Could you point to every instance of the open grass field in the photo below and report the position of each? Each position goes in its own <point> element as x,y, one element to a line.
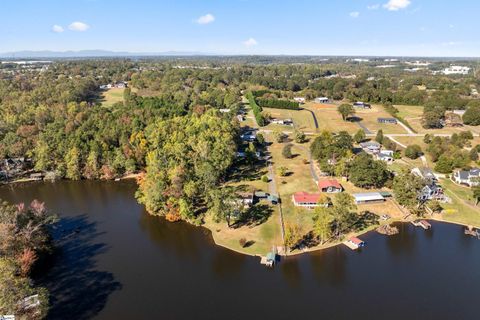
<point>370,117</point>
<point>302,119</point>
<point>112,96</point>
<point>329,119</point>
<point>413,114</point>
<point>262,237</point>
<point>462,209</point>
<point>299,179</point>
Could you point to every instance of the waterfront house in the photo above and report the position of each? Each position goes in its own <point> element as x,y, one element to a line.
<point>322,100</point>
<point>387,120</point>
<point>368,197</point>
<point>432,192</point>
<point>308,200</point>
<point>330,186</point>
<point>470,177</point>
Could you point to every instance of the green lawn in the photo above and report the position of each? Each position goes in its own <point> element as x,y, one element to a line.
<point>462,209</point>
<point>112,96</point>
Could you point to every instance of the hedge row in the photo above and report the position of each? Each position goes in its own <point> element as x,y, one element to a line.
<point>394,113</point>
<point>277,104</point>
<point>257,110</point>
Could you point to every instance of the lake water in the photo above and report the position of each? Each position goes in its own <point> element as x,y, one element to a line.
<point>117,262</point>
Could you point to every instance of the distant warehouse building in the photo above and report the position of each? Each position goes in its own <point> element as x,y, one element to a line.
<point>369,197</point>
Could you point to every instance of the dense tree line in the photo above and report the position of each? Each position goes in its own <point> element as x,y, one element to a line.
<point>24,238</point>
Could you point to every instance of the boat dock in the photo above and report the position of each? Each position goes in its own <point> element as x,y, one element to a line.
<point>422,223</point>
<point>354,243</point>
<point>470,231</point>
<point>270,259</point>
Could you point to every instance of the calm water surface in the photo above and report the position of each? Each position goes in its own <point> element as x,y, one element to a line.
<point>117,262</point>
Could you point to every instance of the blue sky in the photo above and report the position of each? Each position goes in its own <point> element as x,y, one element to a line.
<point>314,27</point>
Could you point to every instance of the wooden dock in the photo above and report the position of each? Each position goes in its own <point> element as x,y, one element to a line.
<point>422,223</point>
<point>470,231</point>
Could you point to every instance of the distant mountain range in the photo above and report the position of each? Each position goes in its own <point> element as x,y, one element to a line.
<point>92,53</point>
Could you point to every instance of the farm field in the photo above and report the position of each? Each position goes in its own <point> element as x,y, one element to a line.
<point>329,119</point>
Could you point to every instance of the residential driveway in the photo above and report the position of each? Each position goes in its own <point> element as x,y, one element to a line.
<point>362,126</point>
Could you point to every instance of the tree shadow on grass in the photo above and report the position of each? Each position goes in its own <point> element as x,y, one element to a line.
<point>366,220</point>
<point>254,216</point>
<point>247,172</point>
<point>77,289</point>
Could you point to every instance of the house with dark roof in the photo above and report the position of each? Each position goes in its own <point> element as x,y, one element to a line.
<point>470,178</point>
<point>432,192</point>
<point>387,120</point>
<point>386,156</point>
<point>362,105</point>
<point>330,186</point>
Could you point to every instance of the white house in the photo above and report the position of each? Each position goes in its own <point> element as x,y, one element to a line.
<point>300,99</point>
<point>371,147</point>
<point>322,100</point>
<point>386,156</point>
<point>456,70</point>
<point>470,178</point>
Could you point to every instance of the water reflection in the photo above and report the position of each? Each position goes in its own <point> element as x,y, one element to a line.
<point>76,286</point>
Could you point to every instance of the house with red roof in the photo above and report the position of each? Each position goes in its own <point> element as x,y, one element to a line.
<point>330,186</point>
<point>307,200</point>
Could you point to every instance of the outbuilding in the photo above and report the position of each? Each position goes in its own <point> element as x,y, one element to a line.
<point>330,186</point>
<point>368,197</point>
<point>387,120</point>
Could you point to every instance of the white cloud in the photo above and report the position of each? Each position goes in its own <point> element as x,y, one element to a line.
<point>395,5</point>
<point>373,7</point>
<point>58,29</point>
<point>78,26</point>
<point>354,14</point>
<point>250,42</point>
<point>451,43</point>
<point>206,19</point>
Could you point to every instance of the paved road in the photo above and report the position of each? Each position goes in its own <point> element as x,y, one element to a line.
<point>362,126</point>
<point>314,118</point>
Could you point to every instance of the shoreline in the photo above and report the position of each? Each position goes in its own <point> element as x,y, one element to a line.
<point>333,244</point>
<point>297,252</point>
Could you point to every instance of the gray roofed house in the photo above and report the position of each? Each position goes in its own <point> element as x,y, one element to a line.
<point>371,146</point>
<point>426,174</point>
<point>470,178</point>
